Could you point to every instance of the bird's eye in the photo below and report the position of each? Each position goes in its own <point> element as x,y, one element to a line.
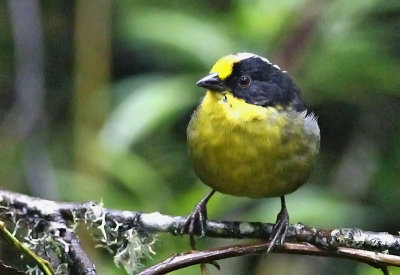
<point>244,81</point>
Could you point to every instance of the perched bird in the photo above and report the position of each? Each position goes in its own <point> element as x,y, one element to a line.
<point>251,136</point>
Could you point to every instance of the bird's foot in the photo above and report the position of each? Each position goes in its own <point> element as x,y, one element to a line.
<point>197,219</point>
<point>280,229</point>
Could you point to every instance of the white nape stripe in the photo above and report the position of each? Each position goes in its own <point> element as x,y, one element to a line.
<point>245,55</point>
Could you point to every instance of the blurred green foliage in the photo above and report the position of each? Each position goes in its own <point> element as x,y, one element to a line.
<point>345,55</point>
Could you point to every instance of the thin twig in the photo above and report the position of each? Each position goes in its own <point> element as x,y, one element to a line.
<point>175,262</point>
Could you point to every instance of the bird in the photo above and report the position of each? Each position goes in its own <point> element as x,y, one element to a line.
<point>252,135</point>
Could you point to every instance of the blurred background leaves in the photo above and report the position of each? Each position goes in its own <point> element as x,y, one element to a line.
<point>108,121</point>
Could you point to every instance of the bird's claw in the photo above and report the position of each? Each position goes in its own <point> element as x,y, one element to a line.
<point>196,219</point>
<point>280,229</point>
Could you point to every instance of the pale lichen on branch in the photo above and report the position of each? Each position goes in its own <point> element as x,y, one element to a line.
<point>131,235</point>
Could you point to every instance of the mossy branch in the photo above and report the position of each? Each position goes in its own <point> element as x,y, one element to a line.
<point>123,232</point>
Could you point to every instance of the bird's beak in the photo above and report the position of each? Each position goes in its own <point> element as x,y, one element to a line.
<point>212,82</point>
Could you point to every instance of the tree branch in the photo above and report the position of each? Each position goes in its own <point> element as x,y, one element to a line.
<point>375,259</point>
<point>79,261</point>
<point>379,249</point>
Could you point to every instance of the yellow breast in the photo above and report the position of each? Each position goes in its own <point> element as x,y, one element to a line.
<point>247,150</point>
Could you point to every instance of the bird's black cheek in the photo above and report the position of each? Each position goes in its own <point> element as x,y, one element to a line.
<point>243,93</point>
<point>263,93</point>
<point>250,94</point>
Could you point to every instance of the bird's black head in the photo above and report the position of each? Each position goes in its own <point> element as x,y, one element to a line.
<point>254,79</point>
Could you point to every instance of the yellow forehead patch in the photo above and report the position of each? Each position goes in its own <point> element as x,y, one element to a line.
<point>224,66</point>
